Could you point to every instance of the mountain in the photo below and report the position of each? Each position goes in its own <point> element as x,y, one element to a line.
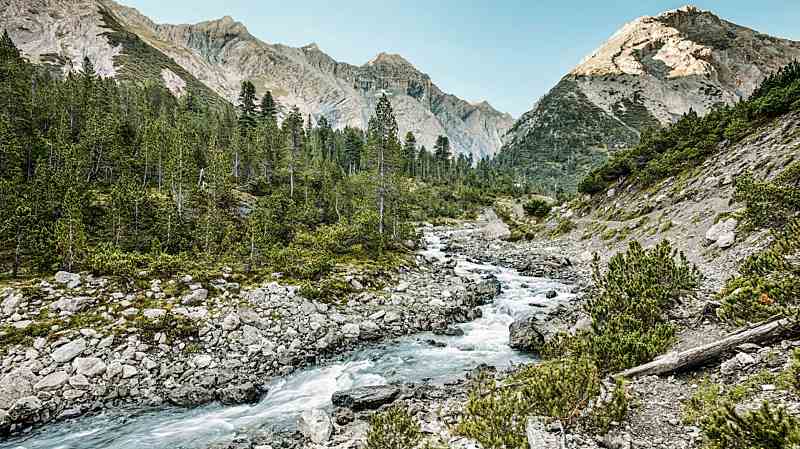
<point>648,74</point>
<point>212,58</point>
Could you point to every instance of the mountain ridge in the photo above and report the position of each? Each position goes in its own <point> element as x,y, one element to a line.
<point>222,53</point>
<point>646,75</point>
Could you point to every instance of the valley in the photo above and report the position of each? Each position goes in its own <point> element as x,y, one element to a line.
<point>209,241</point>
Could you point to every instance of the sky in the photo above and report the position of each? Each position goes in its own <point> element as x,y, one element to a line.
<point>507,52</point>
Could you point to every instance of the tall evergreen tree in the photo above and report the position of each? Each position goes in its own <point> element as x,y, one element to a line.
<point>247,105</point>
<point>410,154</point>
<point>384,149</point>
<point>268,108</point>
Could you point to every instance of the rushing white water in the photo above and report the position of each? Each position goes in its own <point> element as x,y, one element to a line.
<point>405,360</point>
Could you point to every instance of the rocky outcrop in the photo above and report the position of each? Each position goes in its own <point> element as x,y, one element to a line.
<point>220,54</point>
<point>366,398</point>
<point>649,73</point>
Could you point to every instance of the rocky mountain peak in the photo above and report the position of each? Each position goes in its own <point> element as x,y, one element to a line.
<point>390,59</point>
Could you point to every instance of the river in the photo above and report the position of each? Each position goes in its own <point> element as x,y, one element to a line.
<point>404,360</point>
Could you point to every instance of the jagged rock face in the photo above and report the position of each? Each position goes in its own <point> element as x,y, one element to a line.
<point>649,73</point>
<point>221,54</point>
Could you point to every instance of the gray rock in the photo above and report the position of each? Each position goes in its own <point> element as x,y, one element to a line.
<point>351,330</point>
<point>68,304</point>
<point>245,393</point>
<point>129,371</point>
<point>25,408</point>
<point>10,304</point>
<point>723,233</point>
<point>202,361</point>
<point>196,297</point>
<point>231,322</point>
<point>190,396</point>
<point>539,437</point>
<point>366,398</point>
<point>15,385</point>
<point>370,330</point>
<point>496,230</point>
<point>89,366</point>
<point>64,277</point>
<point>69,351</point>
<point>315,425</point>
<point>79,381</point>
<point>529,334</point>
<point>52,381</point>
<point>154,314</point>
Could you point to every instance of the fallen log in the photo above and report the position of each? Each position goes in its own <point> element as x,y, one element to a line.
<point>679,361</point>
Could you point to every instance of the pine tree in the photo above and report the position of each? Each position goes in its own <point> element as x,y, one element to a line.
<point>293,129</point>
<point>441,154</point>
<point>8,51</point>
<point>384,149</point>
<point>410,154</point>
<point>353,146</point>
<point>269,109</point>
<point>70,232</point>
<point>247,106</point>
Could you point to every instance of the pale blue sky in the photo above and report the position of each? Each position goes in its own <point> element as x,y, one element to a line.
<point>509,52</point>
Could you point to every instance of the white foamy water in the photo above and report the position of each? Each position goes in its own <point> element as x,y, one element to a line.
<point>405,360</point>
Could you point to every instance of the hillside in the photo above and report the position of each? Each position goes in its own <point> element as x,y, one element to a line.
<point>222,53</point>
<point>648,74</point>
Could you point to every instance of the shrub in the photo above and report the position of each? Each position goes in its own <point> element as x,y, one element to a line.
<point>496,415</point>
<point>770,204</point>
<point>537,208</point>
<point>394,428</point>
<point>627,307</point>
<point>765,428</point>
<point>564,226</point>
<point>768,282</point>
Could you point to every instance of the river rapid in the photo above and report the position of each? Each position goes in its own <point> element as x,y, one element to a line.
<point>409,359</point>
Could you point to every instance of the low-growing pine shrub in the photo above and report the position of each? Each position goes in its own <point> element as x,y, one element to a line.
<point>765,428</point>
<point>563,390</point>
<point>627,306</point>
<point>394,428</point>
<point>537,208</point>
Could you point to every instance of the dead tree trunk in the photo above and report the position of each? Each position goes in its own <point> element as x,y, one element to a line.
<point>678,361</point>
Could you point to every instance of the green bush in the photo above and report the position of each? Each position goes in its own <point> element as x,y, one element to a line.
<point>496,414</point>
<point>768,282</point>
<point>627,306</point>
<point>765,428</point>
<point>394,428</point>
<point>537,208</point>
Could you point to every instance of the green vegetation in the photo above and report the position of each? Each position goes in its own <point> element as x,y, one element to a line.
<point>537,208</point>
<point>394,428</point>
<point>765,428</point>
<point>627,306</point>
<point>124,179</point>
<point>668,152</point>
<point>769,281</point>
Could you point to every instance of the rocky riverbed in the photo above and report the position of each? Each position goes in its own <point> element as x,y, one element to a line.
<point>92,345</point>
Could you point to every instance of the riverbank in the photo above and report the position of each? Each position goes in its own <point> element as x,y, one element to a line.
<point>89,344</point>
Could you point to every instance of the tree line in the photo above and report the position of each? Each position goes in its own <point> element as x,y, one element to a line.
<point>95,174</point>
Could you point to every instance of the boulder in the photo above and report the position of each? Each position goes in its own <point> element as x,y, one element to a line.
<point>370,330</point>
<point>723,233</point>
<point>69,351</point>
<point>351,330</point>
<point>89,366</point>
<point>315,425</point>
<point>24,409</point>
<point>231,322</point>
<point>366,398</point>
<point>529,334</point>
<point>190,396</point>
<point>52,381</point>
<point>15,385</point>
<point>154,314</point>
<point>495,230</point>
<point>72,280</point>
<point>196,297</point>
<point>68,304</point>
<point>244,393</point>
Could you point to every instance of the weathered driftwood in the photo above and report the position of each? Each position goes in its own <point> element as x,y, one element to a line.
<point>679,361</point>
